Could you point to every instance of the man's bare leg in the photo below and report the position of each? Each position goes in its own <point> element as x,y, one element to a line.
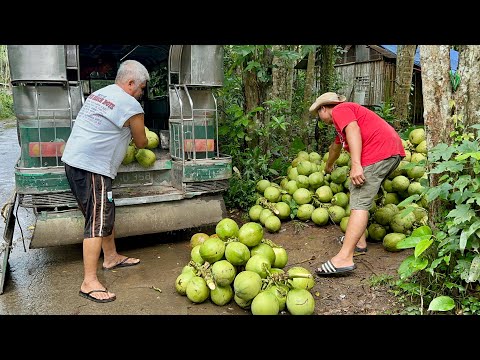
<point>354,235</point>
<point>91,254</point>
<point>110,255</point>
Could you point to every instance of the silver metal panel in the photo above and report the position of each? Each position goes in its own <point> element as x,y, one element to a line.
<point>53,102</point>
<point>132,220</point>
<point>37,62</point>
<point>180,102</point>
<point>175,58</point>
<point>72,56</point>
<point>202,65</point>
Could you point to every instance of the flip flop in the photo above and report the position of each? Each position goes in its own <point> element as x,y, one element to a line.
<point>328,269</point>
<point>122,263</point>
<point>87,295</point>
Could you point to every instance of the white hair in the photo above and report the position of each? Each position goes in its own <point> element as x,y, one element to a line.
<point>132,70</point>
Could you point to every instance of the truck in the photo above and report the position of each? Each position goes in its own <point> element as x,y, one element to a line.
<point>182,189</point>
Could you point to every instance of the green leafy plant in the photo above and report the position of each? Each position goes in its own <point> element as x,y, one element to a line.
<point>444,270</point>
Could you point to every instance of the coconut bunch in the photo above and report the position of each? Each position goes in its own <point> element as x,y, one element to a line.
<point>305,193</point>
<point>238,264</point>
<point>145,157</point>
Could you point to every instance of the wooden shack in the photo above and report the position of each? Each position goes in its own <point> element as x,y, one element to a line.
<point>366,74</point>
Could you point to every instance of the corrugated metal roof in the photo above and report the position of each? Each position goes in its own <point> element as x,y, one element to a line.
<point>416,60</point>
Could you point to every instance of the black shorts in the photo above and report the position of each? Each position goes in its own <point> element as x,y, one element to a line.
<point>94,197</point>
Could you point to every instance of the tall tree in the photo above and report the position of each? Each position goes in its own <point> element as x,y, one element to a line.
<point>326,69</point>
<point>282,73</point>
<point>403,81</point>
<point>308,92</point>
<point>437,93</point>
<point>467,101</point>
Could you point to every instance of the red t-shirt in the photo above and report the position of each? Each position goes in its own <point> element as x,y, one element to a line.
<point>379,138</point>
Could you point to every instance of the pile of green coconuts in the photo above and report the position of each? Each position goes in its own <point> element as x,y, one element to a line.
<point>238,264</point>
<point>306,193</point>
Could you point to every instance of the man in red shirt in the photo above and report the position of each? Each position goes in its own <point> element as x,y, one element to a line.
<point>375,150</point>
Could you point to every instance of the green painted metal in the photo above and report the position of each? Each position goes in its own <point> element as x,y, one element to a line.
<point>33,183</point>
<point>207,171</point>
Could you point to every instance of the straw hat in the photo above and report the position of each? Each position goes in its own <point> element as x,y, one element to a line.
<point>327,98</point>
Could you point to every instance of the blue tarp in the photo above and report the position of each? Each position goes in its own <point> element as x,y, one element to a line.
<point>416,60</point>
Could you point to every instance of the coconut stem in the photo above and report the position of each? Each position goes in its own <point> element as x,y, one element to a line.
<point>205,272</point>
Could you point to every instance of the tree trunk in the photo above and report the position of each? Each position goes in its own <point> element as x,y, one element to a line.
<point>467,101</point>
<point>327,60</point>
<point>282,76</point>
<point>256,93</point>
<point>403,81</point>
<point>436,90</point>
<point>308,92</point>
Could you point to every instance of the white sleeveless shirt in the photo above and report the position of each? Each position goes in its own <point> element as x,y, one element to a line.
<point>98,141</point>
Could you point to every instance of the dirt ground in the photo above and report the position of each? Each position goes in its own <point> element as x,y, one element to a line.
<point>360,293</point>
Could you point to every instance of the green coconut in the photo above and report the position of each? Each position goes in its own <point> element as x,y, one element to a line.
<point>320,216</point>
<point>391,240</point>
<point>258,263</point>
<point>292,174</point>
<point>244,304</point>
<point>153,140</point>
<point>262,185</point>
<point>247,285</point>
<point>416,136</point>
<point>376,232</point>
<point>300,282</point>
<point>251,233</point>
<point>272,194</point>
<point>344,223</point>
<point>305,211</point>
<point>303,181</point>
<point>281,257</point>
<point>223,272</point>
<point>339,174</point>
<point>198,239</point>
<point>400,183</point>
<point>181,282</point>
<point>283,210</point>
<point>254,212</point>
<point>324,193</point>
<point>237,253</point>
<point>273,224</point>
<point>226,228</point>
<point>195,255</point>
<point>221,295</point>
<point>212,249</point>
<point>264,214</point>
<point>315,180</point>
<point>129,155</point>
<point>340,199</point>
<point>302,196</point>
<point>291,186</point>
<point>300,302</point>
<point>384,215</point>
<point>304,167</point>
<point>145,157</point>
<point>265,250</point>
<point>197,290</point>
<point>281,292</point>
<point>336,213</point>
<point>265,303</point>
<point>315,157</point>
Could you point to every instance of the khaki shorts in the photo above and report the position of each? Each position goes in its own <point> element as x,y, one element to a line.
<point>361,197</point>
